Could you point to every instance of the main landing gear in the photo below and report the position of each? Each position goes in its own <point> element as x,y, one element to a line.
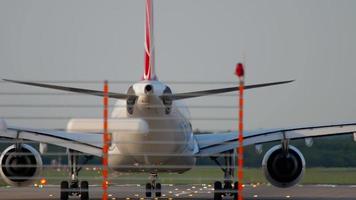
<point>153,187</point>
<point>73,188</point>
<point>229,187</point>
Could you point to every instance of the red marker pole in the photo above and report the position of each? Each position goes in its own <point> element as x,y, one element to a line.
<point>241,75</point>
<point>106,139</point>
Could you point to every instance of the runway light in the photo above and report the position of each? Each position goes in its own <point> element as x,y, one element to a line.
<point>43,181</point>
<point>110,195</point>
<point>287,196</point>
<point>51,195</point>
<point>255,196</point>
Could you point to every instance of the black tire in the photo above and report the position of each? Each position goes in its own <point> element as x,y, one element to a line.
<point>148,190</point>
<point>217,190</point>
<point>236,187</point>
<point>64,190</point>
<point>158,190</point>
<point>84,190</point>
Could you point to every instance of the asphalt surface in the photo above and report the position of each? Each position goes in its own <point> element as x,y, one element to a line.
<point>260,192</point>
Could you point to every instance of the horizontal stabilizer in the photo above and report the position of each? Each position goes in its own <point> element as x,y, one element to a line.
<point>187,95</point>
<point>71,89</point>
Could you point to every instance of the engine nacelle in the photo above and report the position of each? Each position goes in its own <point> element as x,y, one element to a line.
<point>283,169</point>
<point>20,167</point>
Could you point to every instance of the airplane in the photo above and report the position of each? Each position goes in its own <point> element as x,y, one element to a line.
<point>151,132</point>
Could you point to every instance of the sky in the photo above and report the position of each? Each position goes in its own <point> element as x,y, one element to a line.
<point>198,42</point>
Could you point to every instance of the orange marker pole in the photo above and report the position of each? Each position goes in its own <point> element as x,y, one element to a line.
<point>105,141</point>
<point>241,75</point>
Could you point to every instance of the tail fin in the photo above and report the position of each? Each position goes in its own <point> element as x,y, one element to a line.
<point>149,73</point>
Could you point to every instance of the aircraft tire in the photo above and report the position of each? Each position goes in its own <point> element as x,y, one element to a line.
<point>158,190</point>
<point>64,190</point>
<point>235,192</point>
<point>84,190</point>
<point>217,190</point>
<point>148,190</point>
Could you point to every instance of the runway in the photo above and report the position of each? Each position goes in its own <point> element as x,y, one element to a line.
<point>260,192</point>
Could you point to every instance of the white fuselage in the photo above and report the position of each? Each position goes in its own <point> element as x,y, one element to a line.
<point>167,146</point>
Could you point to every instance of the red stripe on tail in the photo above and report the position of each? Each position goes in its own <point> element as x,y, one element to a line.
<point>149,73</point>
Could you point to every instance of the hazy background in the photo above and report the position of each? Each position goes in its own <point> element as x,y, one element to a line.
<point>196,40</point>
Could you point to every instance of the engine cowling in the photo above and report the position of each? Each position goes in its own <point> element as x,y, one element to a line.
<point>20,167</point>
<point>283,169</point>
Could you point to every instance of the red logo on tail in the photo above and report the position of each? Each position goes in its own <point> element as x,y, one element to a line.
<point>149,73</point>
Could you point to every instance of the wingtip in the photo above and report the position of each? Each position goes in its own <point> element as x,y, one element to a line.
<point>9,80</point>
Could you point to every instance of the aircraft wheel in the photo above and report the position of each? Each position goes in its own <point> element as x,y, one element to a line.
<point>84,190</point>
<point>148,190</point>
<point>217,190</point>
<point>64,190</point>
<point>228,188</point>
<point>235,192</point>
<point>158,190</point>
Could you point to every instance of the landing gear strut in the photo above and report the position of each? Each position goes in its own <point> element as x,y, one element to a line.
<point>73,188</point>
<point>153,187</point>
<point>229,188</point>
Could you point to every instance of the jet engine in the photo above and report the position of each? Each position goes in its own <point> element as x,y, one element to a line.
<point>283,168</point>
<point>20,166</point>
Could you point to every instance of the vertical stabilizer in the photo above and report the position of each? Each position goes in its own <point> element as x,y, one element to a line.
<point>149,73</point>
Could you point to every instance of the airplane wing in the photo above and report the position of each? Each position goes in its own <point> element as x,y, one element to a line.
<point>216,143</point>
<point>87,143</point>
<point>187,95</point>
<point>71,89</point>
<point>82,135</point>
